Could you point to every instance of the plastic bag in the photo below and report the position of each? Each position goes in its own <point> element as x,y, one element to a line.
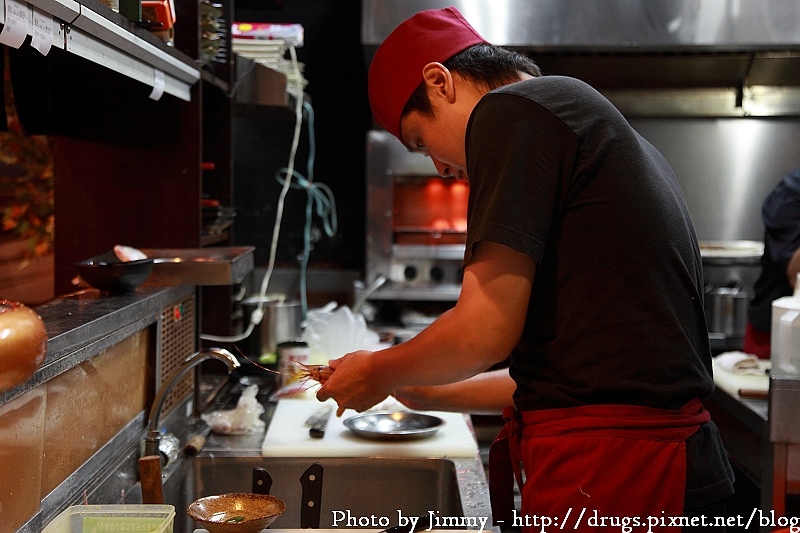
<point>331,334</point>
<point>243,420</point>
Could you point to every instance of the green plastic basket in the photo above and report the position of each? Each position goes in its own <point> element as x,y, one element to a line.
<point>105,518</point>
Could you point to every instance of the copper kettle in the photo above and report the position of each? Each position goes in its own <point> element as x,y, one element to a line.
<point>23,343</point>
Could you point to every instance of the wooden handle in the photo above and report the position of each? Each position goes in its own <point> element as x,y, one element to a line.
<point>753,394</point>
<point>150,478</point>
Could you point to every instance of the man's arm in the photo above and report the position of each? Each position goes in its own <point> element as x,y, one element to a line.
<point>485,393</point>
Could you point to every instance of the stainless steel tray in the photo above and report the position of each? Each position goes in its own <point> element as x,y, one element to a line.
<point>399,425</point>
<point>218,265</point>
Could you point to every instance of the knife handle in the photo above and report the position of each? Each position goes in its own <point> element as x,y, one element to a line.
<point>150,478</point>
<point>262,481</point>
<point>317,430</point>
<point>311,482</point>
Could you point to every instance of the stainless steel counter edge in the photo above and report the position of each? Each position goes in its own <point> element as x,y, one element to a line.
<point>82,324</point>
<point>472,483</point>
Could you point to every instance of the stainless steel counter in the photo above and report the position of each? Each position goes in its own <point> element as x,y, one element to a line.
<point>472,484</point>
<point>744,427</point>
<point>82,324</point>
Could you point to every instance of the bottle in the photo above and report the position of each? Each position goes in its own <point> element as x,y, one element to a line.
<point>785,336</point>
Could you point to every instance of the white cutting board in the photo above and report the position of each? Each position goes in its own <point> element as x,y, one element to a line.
<point>287,436</point>
<point>732,383</point>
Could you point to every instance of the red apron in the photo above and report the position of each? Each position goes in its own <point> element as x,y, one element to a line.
<point>592,466</point>
<point>757,342</point>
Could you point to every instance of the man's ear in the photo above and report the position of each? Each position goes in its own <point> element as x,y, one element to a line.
<point>439,81</point>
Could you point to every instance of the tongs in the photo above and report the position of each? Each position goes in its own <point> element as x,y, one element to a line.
<point>318,421</point>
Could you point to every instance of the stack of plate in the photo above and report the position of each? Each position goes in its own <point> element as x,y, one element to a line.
<point>270,53</point>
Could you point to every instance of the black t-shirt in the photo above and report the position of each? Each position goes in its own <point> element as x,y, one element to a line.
<point>616,309</point>
<point>781,216</point>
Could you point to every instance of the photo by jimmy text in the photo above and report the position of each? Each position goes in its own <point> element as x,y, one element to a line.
<point>434,520</point>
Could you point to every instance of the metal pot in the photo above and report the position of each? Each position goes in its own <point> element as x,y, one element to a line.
<point>282,322</point>
<point>726,311</point>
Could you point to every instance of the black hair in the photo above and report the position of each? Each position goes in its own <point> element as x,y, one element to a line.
<point>484,64</point>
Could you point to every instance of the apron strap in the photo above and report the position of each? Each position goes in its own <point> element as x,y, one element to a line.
<point>504,467</point>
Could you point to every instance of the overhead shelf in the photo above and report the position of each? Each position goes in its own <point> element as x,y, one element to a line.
<point>88,34</point>
<point>260,85</point>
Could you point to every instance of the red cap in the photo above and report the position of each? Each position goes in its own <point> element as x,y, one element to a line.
<point>434,35</point>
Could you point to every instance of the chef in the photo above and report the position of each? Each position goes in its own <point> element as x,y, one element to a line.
<point>581,263</point>
<point>780,262</point>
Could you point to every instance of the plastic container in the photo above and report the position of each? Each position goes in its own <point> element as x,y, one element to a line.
<point>97,518</point>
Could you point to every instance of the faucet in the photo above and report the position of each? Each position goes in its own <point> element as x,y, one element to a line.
<point>153,438</point>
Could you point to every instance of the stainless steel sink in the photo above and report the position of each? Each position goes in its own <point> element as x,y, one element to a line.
<point>355,487</point>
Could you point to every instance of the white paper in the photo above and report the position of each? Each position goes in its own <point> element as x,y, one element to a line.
<point>15,28</point>
<point>158,85</point>
<point>43,30</point>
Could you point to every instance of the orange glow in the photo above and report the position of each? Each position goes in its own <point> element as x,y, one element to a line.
<point>460,224</point>
<point>427,206</point>
<point>440,224</point>
<point>459,189</point>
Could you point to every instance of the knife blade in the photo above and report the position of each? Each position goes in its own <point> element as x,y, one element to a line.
<point>318,421</point>
<point>320,413</point>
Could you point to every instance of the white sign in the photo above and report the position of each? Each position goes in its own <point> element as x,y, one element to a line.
<point>15,28</point>
<point>42,38</point>
<point>159,83</point>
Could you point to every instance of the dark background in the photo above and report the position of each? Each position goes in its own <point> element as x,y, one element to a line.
<point>336,71</point>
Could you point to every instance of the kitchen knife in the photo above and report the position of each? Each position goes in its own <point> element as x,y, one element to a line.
<point>262,481</point>
<point>311,482</point>
<point>318,421</point>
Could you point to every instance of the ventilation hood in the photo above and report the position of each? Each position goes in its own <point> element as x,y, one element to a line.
<point>650,57</point>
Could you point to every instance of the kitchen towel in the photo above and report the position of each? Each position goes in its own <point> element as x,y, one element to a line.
<point>740,363</point>
<point>732,382</point>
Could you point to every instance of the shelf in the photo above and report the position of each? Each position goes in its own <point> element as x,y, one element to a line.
<point>87,33</point>
<point>215,81</point>
<point>217,238</point>
<point>259,85</point>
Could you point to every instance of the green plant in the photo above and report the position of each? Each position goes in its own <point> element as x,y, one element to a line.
<point>26,181</point>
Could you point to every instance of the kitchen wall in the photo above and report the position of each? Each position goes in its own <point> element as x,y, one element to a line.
<point>726,167</point>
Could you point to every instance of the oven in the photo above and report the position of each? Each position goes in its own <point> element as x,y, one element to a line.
<point>415,233</point>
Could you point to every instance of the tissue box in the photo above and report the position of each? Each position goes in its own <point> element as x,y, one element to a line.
<point>98,518</point>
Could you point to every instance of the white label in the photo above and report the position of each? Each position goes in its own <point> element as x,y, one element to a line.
<point>159,83</point>
<point>43,31</point>
<point>15,28</point>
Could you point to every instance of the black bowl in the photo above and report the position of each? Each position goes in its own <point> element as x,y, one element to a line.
<point>110,275</point>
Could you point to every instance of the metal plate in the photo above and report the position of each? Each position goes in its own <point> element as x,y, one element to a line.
<point>731,252</point>
<point>400,425</point>
<point>217,265</point>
